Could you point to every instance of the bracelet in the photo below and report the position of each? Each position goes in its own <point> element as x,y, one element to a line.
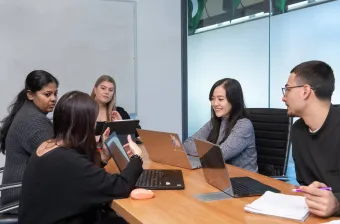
<point>138,157</point>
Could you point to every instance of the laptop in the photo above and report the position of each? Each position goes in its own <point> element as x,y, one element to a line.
<point>216,173</point>
<point>123,128</point>
<point>167,148</point>
<point>149,179</point>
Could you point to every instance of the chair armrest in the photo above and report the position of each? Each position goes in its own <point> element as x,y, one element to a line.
<point>9,186</point>
<point>9,207</point>
<point>283,178</point>
<point>13,205</point>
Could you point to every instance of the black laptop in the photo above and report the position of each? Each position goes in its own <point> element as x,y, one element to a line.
<point>150,179</point>
<point>217,175</point>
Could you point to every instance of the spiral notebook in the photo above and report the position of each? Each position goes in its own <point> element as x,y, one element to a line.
<point>280,205</point>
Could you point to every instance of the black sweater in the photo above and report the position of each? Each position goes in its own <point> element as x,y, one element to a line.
<point>317,156</point>
<point>63,186</point>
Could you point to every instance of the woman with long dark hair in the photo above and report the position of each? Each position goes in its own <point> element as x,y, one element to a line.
<point>229,126</point>
<point>26,127</point>
<point>63,181</point>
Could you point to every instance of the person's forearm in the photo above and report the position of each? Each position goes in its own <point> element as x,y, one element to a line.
<point>103,157</point>
<point>190,147</point>
<point>202,134</point>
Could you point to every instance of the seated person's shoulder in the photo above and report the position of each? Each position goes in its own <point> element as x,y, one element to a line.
<point>68,156</point>
<point>120,108</point>
<point>122,113</point>
<point>335,119</point>
<point>336,108</point>
<point>299,124</point>
<point>245,125</point>
<point>244,122</point>
<point>39,121</point>
<point>32,121</point>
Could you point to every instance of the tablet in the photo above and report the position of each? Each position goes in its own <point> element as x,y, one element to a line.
<point>122,128</point>
<point>99,127</point>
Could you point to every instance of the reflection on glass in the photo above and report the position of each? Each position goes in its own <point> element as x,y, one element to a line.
<point>205,15</point>
<point>117,151</point>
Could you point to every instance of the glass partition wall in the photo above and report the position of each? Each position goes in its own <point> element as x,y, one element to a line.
<point>256,42</point>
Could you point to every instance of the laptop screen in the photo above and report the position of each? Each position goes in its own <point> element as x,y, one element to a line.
<point>214,169</point>
<point>117,151</point>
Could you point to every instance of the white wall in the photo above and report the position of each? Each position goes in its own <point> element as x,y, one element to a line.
<point>159,65</point>
<point>75,40</point>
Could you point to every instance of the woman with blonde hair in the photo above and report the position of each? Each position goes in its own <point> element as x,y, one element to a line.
<point>104,93</point>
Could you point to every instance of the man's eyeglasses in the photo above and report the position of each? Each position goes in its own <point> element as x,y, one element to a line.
<point>284,89</point>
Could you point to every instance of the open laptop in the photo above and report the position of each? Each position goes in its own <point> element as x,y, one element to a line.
<point>149,179</point>
<point>167,148</point>
<point>123,128</point>
<point>216,173</point>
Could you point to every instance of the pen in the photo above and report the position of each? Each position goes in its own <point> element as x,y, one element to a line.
<point>322,188</point>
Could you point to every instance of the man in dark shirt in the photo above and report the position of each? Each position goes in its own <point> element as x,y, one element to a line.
<point>316,135</point>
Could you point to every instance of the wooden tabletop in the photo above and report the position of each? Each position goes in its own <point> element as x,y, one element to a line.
<point>180,206</point>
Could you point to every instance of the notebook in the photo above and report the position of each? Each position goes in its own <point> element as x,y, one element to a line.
<point>332,222</point>
<point>280,205</point>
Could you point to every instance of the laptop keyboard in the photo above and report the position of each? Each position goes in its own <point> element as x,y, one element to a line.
<point>150,178</point>
<point>241,189</point>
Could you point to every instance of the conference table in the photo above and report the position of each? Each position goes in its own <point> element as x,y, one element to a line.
<point>180,206</point>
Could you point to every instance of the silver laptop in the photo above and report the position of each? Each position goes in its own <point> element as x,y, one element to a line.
<point>166,148</point>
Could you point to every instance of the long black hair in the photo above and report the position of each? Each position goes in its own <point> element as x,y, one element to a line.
<point>234,96</point>
<point>35,81</point>
<point>74,120</point>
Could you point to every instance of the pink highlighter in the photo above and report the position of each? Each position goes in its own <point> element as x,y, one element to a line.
<point>322,188</point>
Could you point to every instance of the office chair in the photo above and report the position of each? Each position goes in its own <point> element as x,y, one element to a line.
<point>8,218</point>
<point>272,136</point>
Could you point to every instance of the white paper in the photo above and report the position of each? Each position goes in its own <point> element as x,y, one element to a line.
<point>332,222</point>
<point>281,205</point>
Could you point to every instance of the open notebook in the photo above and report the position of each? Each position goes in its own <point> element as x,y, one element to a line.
<point>280,205</point>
